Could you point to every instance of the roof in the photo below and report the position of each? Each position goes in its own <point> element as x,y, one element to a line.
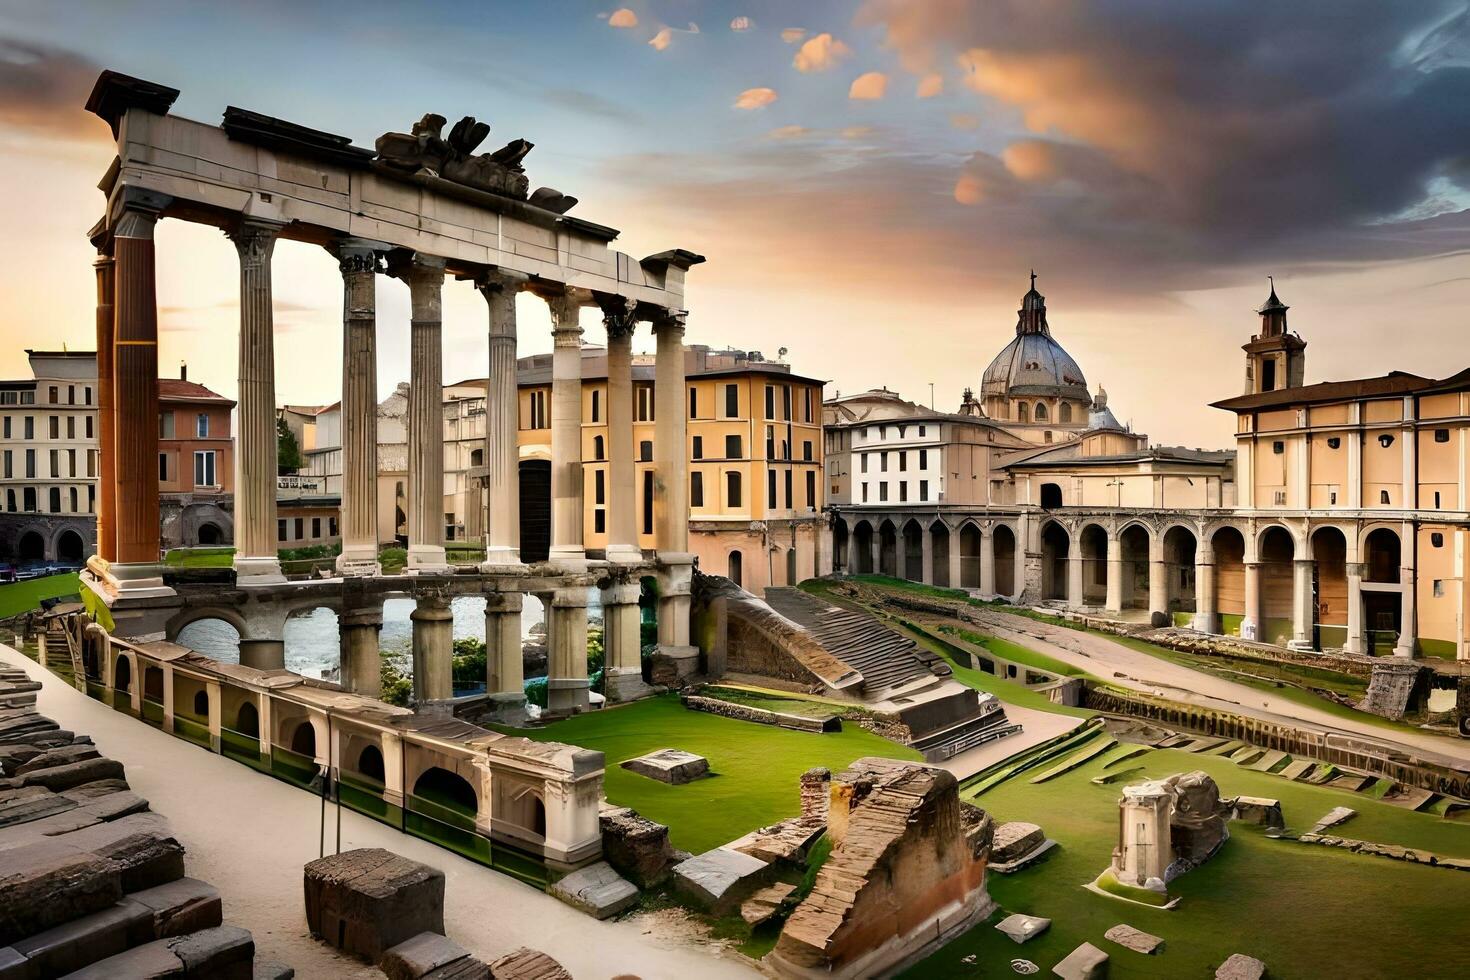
<point>176,390</point>
<point>1033,363</point>
<point>1156,454</point>
<point>1394,383</point>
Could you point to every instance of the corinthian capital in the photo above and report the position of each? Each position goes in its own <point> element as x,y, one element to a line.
<point>667,320</point>
<point>619,315</point>
<point>355,255</point>
<point>255,240</point>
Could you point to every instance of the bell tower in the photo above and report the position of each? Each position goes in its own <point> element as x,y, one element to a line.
<point>1274,358</point>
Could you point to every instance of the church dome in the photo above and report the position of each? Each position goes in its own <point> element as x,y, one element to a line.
<point>1033,363</point>
<point>1102,417</point>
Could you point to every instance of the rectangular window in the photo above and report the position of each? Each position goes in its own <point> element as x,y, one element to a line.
<point>883,491</point>
<point>7,427</point>
<point>596,404</point>
<point>204,471</point>
<point>31,464</point>
<point>281,529</point>
<point>648,501</point>
<point>55,463</point>
<point>1383,496</point>
<point>645,403</point>
<point>923,490</point>
<point>54,426</point>
<point>316,527</point>
<point>923,459</point>
<point>883,462</point>
<point>645,450</point>
<point>732,447</point>
<point>865,493</point>
<point>697,452</point>
<point>201,426</point>
<point>29,499</point>
<point>770,442</point>
<point>811,489</point>
<point>599,487</point>
<point>71,394</point>
<point>770,401</point>
<point>732,401</point>
<point>771,489</point>
<point>921,432</point>
<point>8,473</point>
<point>693,403</point>
<point>88,427</point>
<point>87,394</point>
<point>166,425</point>
<point>71,426</point>
<point>71,462</point>
<point>55,395</point>
<point>786,402</point>
<point>332,527</point>
<point>1441,435</point>
<point>696,489</point>
<point>299,527</point>
<point>806,408</point>
<point>732,489</point>
<point>806,450</point>
<point>903,461</point>
<point>30,427</point>
<point>788,488</point>
<point>864,458</point>
<point>599,521</point>
<point>1436,500</point>
<point>903,491</point>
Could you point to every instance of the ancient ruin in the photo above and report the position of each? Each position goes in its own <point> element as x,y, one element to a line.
<point>1165,828</point>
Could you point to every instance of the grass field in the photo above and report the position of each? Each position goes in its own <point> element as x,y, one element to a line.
<point>756,767</point>
<point>20,597</point>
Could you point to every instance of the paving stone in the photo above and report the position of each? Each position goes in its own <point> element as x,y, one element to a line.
<point>72,945</point>
<point>60,756</point>
<point>58,778</point>
<point>142,844</point>
<point>760,907</point>
<point>46,883</point>
<point>221,953</point>
<point>1134,939</point>
<point>1086,962</point>
<point>22,806</point>
<point>674,766</point>
<point>13,966</point>
<point>1337,815</point>
<point>1020,927</point>
<point>528,964</point>
<point>178,907</point>
<point>430,955</point>
<point>1241,967</point>
<point>1015,839</point>
<point>369,900</point>
<point>718,880</point>
<point>597,890</point>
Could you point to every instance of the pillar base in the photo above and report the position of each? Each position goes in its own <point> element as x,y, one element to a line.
<point>568,559</point>
<point>357,563</point>
<point>1300,646</point>
<point>263,654</point>
<point>1203,623</point>
<point>507,708</point>
<point>567,696</point>
<point>137,581</point>
<point>265,570</point>
<point>624,554</point>
<point>501,558</point>
<point>1407,652</point>
<point>675,666</point>
<point>1249,630</point>
<point>434,708</point>
<point>427,559</point>
<point>623,684</point>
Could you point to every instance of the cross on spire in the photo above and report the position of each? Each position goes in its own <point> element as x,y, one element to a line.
<point>1033,278</point>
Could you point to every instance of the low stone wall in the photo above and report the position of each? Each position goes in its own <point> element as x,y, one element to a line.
<point>743,712</point>
<point>1395,851</point>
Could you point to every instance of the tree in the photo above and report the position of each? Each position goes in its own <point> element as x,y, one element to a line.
<point>288,453</point>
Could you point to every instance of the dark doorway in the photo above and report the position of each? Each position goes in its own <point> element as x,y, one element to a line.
<point>247,721</point>
<point>839,546</point>
<point>1051,496</point>
<point>370,763</point>
<point>303,740</point>
<point>210,534</point>
<point>913,552</point>
<point>736,572</point>
<point>69,546</point>
<point>790,566</point>
<point>32,547</point>
<point>447,789</point>
<point>535,509</point>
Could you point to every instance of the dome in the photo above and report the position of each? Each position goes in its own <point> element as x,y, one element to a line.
<point>1102,417</point>
<point>1033,363</point>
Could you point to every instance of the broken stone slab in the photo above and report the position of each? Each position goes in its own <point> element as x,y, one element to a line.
<point>1257,810</point>
<point>142,845</point>
<point>64,777</point>
<point>1241,967</point>
<point>46,883</point>
<point>31,803</point>
<point>72,945</point>
<point>788,841</point>
<point>720,879</point>
<point>13,757</point>
<point>759,908</point>
<point>673,766</point>
<point>221,953</point>
<point>430,955</point>
<point>1134,939</point>
<point>1086,962</point>
<point>369,900</point>
<point>597,890</point>
<point>60,756</point>
<point>96,788</point>
<point>528,964</point>
<point>1021,928</point>
<point>637,847</point>
<point>179,907</point>
<point>1015,839</point>
<point>1337,815</point>
<point>271,970</point>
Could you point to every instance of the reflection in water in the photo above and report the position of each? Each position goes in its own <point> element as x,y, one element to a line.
<point>312,646</point>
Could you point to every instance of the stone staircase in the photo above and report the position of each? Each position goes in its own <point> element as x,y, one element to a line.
<point>884,658</point>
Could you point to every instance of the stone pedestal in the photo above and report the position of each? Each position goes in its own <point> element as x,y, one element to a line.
<point>622,657</point>
<point>367,901</point>
<point>675,578</point>
<point>433,650</point>
<point>358,262</point>
<point>1144,850</point>
<point>361,667</point>
<point>567,685</point>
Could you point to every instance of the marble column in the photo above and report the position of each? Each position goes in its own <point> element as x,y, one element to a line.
<point>875,552</point>
<point>1114,601</point>
<point>1074,581</point>
<point>1408,629</point>
<point>505,675</point>
<point>359,525</point>
<point>622,658</point>
<point>361,670</point>
<point>135,403</point>
<point>955,559</point>
<point>1250,620</point>
<point>255,416</point>
<point>1302,612</point>
<point>567,548</point>
<point>1354,642</point>
<point>425,275</point>
<point>926,558</point>
<point>1158,589</point>
<point>566,684</point>
<point>1204,591</point>
<point>670,452</point>
<point>622,503</point>
<point>106,423</point>
<point>502,456</point>
<point>433,650</point>
<point>987,562</point>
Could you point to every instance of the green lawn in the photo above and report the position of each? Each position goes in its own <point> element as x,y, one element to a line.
<point>1306,910</point>
<point>20,597</point>
<point>200,558</point>
<point>1016,653</point>
<point>756,767</point>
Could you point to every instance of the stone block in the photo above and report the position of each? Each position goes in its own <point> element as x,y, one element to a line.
<point>816,793</point>
<point>788,841</point>
<point>141,844</point>
<point>14,966</point>
<point>94,789</point>
<point>369,900</point>
<point>430,956</point>
<point>1021,928</point>
<point>637,847</point>
<point>597,890</point>
<point>1241,967</point>
<point>271,970</point>
<point>720,879</point>
<point>764,904</point>
<point>1014,840</point>
<point>64,777</point>
<point>60,756</point>
<point>178,907</point>
<point>47,883</point>
<point>673,766</point>
<point>221,953</point>
<point>1134,939</point>
<point>527,964</point>
<point>1086,962</point>
<point>1337,815</point>
<point>22,806</point>
<point>72,945</point>
<point>1258,810</point>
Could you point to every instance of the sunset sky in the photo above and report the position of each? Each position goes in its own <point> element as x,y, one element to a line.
<point>870,181</point>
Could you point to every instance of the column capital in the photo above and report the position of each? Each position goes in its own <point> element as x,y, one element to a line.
<point>254,239</point>
<point>356,255</point>
<point>566,312</point>
<point>416,268</point>
<point>619,314</point>
<point>493,281</point>
<point>135,222</point>
<point>670,321</point>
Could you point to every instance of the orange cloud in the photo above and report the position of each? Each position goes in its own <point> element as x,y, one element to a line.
<point>969,189</point>
<point>788,132</point>
<point>42,90</point>
<point>741,24</point>
<point>820,54</point>
<point>869,87</point>
<point>755,98</point>
<point>964,120</point>
<point>662,39</point>
<point>1030,160</point>
<point>793,34</point>
<point>623,17</point>
<point>930,85</point>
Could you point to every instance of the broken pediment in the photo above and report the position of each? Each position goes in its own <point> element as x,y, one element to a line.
<point>426,150</point>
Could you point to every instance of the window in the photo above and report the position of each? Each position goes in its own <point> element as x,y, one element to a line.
<point>1436,500</point>
<point>299,527</point>
<point>732,401</point>
<point>71,426</point>
<point>883,491</point>
<point>864,460</point>
<point>770,442</point>
<point>597,448</point>
<point>693,403</point>
<point>1278,447</point>
<point>1041,411</point>
<point>923,489</point>
<point>1441,435</point>
<point>786,402</point>
<point>55,463</point>
<point>1383,496</point>
<point>697,452</point>
<point>788,487</point>
<point>1439,588</point>
<point>201,426</point>
<point>696,489</point>
<point>1268,375</point>
<point>71,462</point>
<point>1280,498</point>
<point>1333,442</point>
<point>8,458</point>
<point>71,394</point>
<point>903,492</point>
<point>166,425</point>
<point>645,450</point>
<point>903,461</point>
<point>732,447</point>
<point>55,395</point>
<point>332,527</point>
<point>596,404</point>
<point>316,527</point>
<point>645,403</point>
<point>72,495</point>
<point>921,432</point>
<point>806,450</point>
<point>770,401</point>
<point>204,475</point>
<point>923,459</point>
<point>811,489</point>
<point>882,432</point>
<point>1064,413</point>
<point>1022,412</point>
<point>1436,539</point>
<point>163,467</point>
<point>29,498</point>
<point>89,427</point>
<point>30,464</point>
<point>54,499</point>
<point>902,431</point>
<point>1332,497</point>
<point>87,394</point>
<point>54,426</point>
<point>599,521</point>
<point>7,427</point>
<point>771,489</point>
<point>599,487</point>
<point>281,529</point>
<point>806,407</point>
<point>1385,440</point>
<point>865,493</point>
<point>883,462</point>
<point>732,489</point>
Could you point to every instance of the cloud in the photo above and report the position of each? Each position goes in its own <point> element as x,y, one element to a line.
<point>742,24</point>
<point>788,132</point>
<point>821,53</point>
<point>793,34</point>
<point>857,132</point>
<point>930,85</point>
<point>755,98</point>
<point>43,89</point>
<point>869,86</point>
<point>662,39</point>
<point>964,120</point>
<point>622,17</point>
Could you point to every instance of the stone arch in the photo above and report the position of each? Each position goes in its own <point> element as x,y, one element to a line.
<point>913,551</point>
<point>735,567</point>
<point>1003,547</point>
<point>1276,551</point>
<point>970,548</point>
<point>1179,544</point>
<point>1040,414</point>
<point>887,549</point>
<point>862,548</point>
<point>122,673</point>
<point>194,614</point>
<point>841,545</point>
<point>1297,543</point>
<point>1381,549</point>
<point>369,763</point>
<point>442,788</point>
<point>32,546</point>
<point>69,546</point>
<point>1056,548</point>
<point>1051,496</point>
<point>247,719</point>
<point>1135,543</point>
<point>939,544</point>
<point>1327,546</point>
<point>303,739</point>
<point>201,703</point>
<point>1023,412</point>
<point>1092,546</point>
<point>210,534</point>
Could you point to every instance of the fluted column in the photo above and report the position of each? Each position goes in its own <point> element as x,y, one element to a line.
<point>359,526</point>
<point>622,504</point>
<point>670,455</point>
<point>567,548</point>
<point>502,457</point>
<point>106,424</point>
<point>425,275</point>
<point>255,417</point>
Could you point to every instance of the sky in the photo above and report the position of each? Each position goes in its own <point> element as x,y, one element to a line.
<point>871,181</point>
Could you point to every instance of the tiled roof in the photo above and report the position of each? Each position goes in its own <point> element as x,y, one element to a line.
<point>1393,383</point>
<point>176,390</point>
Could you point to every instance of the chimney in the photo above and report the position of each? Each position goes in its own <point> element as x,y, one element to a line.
<point>183,370</point>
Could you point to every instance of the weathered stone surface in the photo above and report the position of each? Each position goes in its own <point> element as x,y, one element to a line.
<point>100,787</point>
<point>1134,939</point>
<point>221,953</point>
<point>19,806</point>
<point>597,890</point>
<point>673,766</point>
<point>764,904</point>
<point>1197,821</point>
<point>60,756</point>
<point>179,907</point>
<point>47,883</point>
<point>141,845</point>
<point>1086,962</point>
<point>271,970</point>
<point>369,900</point>
<point>1257,810</point>
<point>816,791</point>
<point>1241,967</point>
<point>430,955</point>
<point>13,757</point>
<point>528,964</point>
<point>720,879</point>
<point>788,841</point>
<point>637,847</point>
<point>1021,928</point>
<point>1337,815</point>
<point>1014,840</point>
<point>64,777</point>
<point>72,945</point>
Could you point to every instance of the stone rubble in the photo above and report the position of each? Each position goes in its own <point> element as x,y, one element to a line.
<point>1134,939</point>
<point>1086,962</point>
<point>637,847</point>
<point>764,904</point>
<point>430,956</point>
<point>1021,928</point>
<point>1241,967</point>
<point>719,880</point>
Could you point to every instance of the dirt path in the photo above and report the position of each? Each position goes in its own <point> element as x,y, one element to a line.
<point>1129,668</point>
<point>249,835</point>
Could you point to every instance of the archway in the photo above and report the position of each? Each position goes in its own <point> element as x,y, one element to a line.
<point>862,548</point>
<point>122,674</point>
<point>69,546</point>
<point>1381,556</point>
<point>447,789</point>
<point>32,547</point>
<point>939,554</point>
<point>1003,544</point>
<point>970,545</point>
<point>1329,588</point>
<point>1055,552</point>
<point>1277,552</point>
<point>535,490</point>
<point>735,568</point>
<point>201,704</point>
<point>913,552</point>
<point>840,545</point>
<point>1051,496</point>
<point>1133,547</point>
<point>1180,549</point>
<point>888,549</point>
<point>210,534</point>
<point>370,763</point>
<point>303,739</point>
<point>1383,604</point>
<point>1228,545</point>
<point>538,817</point>
<point>247,720</point>
<point>1093,547</point>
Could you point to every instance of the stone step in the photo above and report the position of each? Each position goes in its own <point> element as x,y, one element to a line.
<point>221,953</point>
<point>430,956</point>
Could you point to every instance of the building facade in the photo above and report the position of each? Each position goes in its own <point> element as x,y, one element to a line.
<point>196,464</point>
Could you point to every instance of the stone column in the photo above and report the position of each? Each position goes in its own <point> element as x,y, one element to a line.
<point>106,423</point>
<point>1204,590</point>
<point>670,453</point>
<point>622,660</point>
<point>502,457</point>
<point>566,684</point>
<point>1158,586</point>
<point>392,768</point>
<point>1354,642</point>
<point>1408,629</point>
<point>263,652</point>
<point>425,275</point>
<point>1250,620</point>
<point>255,417</point>
<point>875,551</point>
<point>1114,601</point>
<point>216,715</point>
<point>1301,603</point>
<point>168,696</point>
<point>987,562</point>
<point>1074,580</point>
<point>926,557</point>
<point>955,560</point>
<point>361,668</point>
<point>622,502</point>
<point>433,650</point>
<point>359,527</point>
<point>505,674</point>
<point>567,548</point>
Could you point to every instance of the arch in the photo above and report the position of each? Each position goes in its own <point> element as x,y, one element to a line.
<point>185,617</point>
<point>1064,413</point>
<point>1133,552</point>
<point>736,568</point>
<point>1227,545</point>
<point>370,763</point>
<point>840,545</point>
<point>69,546</point>
<point>1276,552</point>
<point>209,533</point>
<point>447,789</point>
<point>303,739</point>
<point>970,546</point>
<point>32,547</point>
<point>201,703</point>
<point>1041,414</point>
<point>1056,546</point>
<point>1382,553</point>
<point>477,457</point>
<point>913,551</point>
<point>888,549</point>
<point>1023,412</point>
<point>1383,606</point>
<point>247,720</point>
<point>939,554</point>
<point>599,449</point>
<point>122,673</point>
<point>538,816</point>
<point>1327,547</point>
<point>791,576</point>
<point>535,490</point>
<point>1051,496</point>
<point>1003,546</point>
<point>1180,547</point>
<point>1092,546</point>
<point>1276,530</point>
<point>862,547</point>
